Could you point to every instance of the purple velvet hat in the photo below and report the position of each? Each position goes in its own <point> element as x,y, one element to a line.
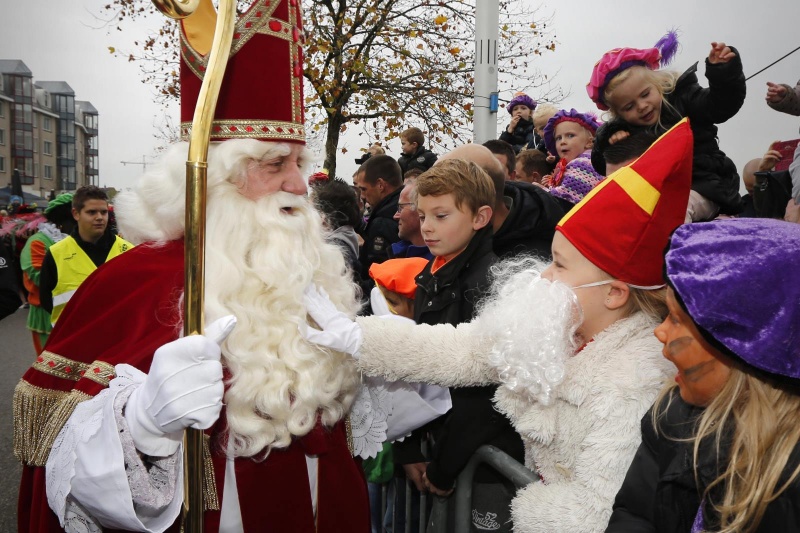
<point>521,98</point>
<point>739,280</point>
<point>587,120</point>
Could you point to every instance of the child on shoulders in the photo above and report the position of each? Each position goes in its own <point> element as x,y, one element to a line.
<point>520,133</point>
<point>415,155</point>
<point>627,82</point>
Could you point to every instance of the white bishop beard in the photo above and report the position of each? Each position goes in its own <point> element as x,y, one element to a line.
<point>533,324</point>
<point>259,260</point>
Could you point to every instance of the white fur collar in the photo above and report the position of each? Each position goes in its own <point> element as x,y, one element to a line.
<point>51,231</point>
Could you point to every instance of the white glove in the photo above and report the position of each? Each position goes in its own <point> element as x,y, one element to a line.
<point>183,389</point>
<point>339,332</point>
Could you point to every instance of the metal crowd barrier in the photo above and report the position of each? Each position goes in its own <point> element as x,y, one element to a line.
<point>508,467</point>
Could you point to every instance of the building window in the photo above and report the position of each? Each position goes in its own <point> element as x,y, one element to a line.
<point>2,164</point>
<point>47,126</point>
<point>48,148</point>
<point>2,110</point>
<point>2,136</point>
<point>48,172</point>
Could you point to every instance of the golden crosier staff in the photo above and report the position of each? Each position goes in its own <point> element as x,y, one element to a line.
<point>194,234</point>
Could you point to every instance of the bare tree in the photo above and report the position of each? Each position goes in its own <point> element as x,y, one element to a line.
<point>382,65</point>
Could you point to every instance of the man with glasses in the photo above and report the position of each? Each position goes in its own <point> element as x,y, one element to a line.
<point>411,243</point>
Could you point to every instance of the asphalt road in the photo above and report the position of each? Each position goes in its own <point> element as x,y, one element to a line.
<point>17,354</point>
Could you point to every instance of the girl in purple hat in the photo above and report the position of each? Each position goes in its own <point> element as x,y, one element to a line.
<point>519,133</point>
<point>569,135</point>
<point>628,83</point>
<point>721,446</point>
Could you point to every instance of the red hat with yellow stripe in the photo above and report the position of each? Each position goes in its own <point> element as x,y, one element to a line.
<point>623,225</point>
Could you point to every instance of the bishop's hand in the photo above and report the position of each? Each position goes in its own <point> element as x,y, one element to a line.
<point>339,332</point>
<point>183,389</point>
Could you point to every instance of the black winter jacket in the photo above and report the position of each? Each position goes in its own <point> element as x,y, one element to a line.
<point>531,222</point>
<point>422,159</point>
<point>9,291</point>
<point>451,296</point>
<point>380,233</point>
<point>659,494</point>
<point>714,175</point>
<point>523,137</point>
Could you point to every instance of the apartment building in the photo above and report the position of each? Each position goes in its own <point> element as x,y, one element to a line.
<point>45,134</point>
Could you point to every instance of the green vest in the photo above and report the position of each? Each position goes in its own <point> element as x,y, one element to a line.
<point>74,266</point>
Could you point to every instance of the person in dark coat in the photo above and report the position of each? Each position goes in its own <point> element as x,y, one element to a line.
<point>415,155</point>
<point>337,203</point>
<point>721,447</point>
<point>626,82</point>
<point>520,133</point>
<point>379,179</point>
<point>9,290</point>
<point>448,292</point>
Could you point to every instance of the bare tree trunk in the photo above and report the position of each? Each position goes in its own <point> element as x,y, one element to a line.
<point>335,122</point>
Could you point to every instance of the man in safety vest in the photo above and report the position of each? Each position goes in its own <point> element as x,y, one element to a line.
<point>70,261</point>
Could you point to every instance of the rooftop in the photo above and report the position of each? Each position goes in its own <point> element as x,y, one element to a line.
<point>56,87</point>
<point>14,66</point>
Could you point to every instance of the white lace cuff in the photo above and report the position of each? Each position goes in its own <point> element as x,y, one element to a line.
<point>95,478</point>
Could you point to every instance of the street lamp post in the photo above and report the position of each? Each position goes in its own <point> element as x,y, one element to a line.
<point>487,21</point>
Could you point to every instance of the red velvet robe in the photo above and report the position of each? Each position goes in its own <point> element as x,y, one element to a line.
<point>122,314</point>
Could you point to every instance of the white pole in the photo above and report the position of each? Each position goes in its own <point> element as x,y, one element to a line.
<point>487,21</point>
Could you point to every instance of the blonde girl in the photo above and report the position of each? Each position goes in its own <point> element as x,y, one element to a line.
<point>627,82</point>
<point>721,447</point>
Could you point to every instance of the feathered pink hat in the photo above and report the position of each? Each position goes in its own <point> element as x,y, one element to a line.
<point>615,61</point>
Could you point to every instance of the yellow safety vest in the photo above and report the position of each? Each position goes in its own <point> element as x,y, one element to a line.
<point>74,266</point>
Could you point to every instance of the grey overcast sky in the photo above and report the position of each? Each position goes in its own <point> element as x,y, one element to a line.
<point>59,41</point>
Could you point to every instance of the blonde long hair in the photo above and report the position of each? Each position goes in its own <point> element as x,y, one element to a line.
<point>663,80</point>
<point>763,417</point>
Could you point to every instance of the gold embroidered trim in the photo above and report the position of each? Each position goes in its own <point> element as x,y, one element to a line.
<point>348,429</point>
<point>100,372</point>
<point>60,367</point>
<point>296,53</point>
<point>39,415</point>
<point>258,19</point>
<point>251,129</point>
<point>210,497</point>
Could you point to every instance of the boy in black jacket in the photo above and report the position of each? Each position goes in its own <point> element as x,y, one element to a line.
<point>454,202</point>
<point>415,155</point>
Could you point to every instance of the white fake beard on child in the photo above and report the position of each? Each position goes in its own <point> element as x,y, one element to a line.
<point>533,324</point>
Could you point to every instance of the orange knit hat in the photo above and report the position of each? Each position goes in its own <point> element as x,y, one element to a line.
<point>398,275</point>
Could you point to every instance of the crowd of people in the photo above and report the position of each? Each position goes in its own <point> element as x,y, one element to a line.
<point>592,297</point>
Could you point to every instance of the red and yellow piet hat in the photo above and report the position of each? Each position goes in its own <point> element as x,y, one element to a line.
<point>623,225</point>
<point>262,93</point>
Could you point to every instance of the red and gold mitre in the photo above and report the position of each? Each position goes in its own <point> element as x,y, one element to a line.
<point>623,225</point>
<point>262,92</point>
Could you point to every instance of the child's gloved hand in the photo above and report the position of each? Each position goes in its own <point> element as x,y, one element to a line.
<point>720,53</point>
